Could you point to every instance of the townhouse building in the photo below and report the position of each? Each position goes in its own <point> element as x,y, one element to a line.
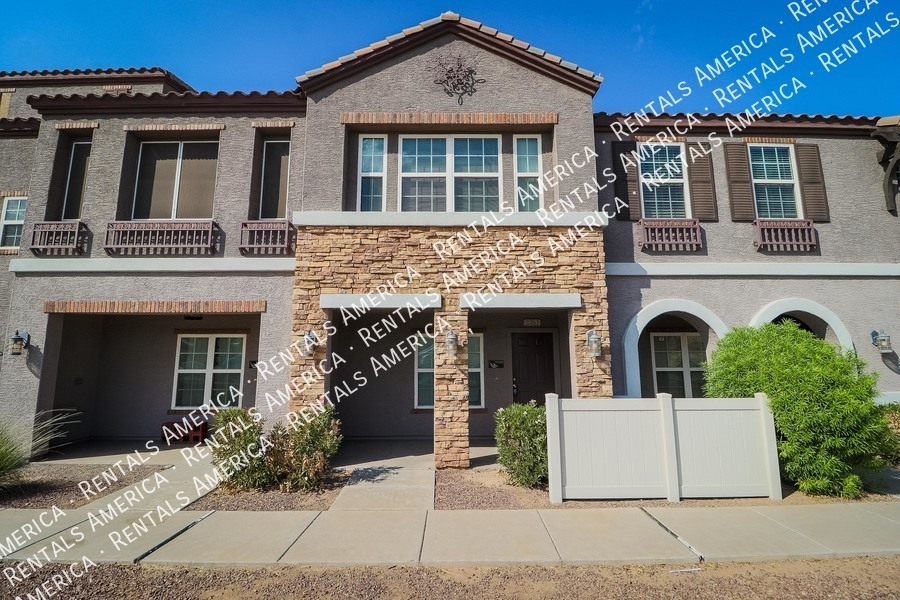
<point>422,232</point>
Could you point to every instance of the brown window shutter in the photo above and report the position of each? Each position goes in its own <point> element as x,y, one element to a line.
<point>812,183</point>
<point>740,186</point>
<point>702,184</point>
<point>626,187</point>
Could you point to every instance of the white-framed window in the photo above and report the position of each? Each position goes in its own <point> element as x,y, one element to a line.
<point>208,370</point>
<point>424,372</point>
<point>76,179</point>
<point>273,185</point>
<point>677,360</point>
<point>775,185</point>
<point>372,170</point>
<point>459,173</point>
<point>664,190</point>
<point>527,164</point>
<point>476,370</point>
<point>175,180</point>
<point>12,220</point>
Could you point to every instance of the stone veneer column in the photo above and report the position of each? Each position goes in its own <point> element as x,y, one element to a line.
<point>310,280</point>
<point>451,388</point>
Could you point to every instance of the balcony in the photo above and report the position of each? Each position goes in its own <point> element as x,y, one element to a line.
<point>785,235</point>
<point>58,237</point>
<point>266,237</point>
<point>160,237</point>
<point>670,235</point>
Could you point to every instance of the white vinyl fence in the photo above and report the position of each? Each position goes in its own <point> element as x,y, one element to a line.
<point>661,447</point>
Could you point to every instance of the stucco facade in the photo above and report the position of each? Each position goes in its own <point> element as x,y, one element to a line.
<point>105,323</point>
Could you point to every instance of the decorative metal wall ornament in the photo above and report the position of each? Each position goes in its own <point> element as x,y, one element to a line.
<point>457,75</point>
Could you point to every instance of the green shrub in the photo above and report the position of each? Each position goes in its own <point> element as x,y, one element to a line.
<point>234,432</point>
<point>829,427</point>
<point>891,453</point>
<point>521,436</point>
<point>294,458</point>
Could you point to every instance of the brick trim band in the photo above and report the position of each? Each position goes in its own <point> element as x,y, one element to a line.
<point>272,124</point>
<point>420,118</point>
<point>78,125</point>
<point>117,88</point>
<point>176,127</point>
<point>9,193</point>
<point>152,307</point>
<point>653,138</point>
<point>767,140</point>
<point>7,90</point>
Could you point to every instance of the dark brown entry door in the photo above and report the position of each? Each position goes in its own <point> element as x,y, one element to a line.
<point>533,373</point>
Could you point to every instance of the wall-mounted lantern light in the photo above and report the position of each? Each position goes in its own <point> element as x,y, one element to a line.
<point>594,344</point>
<point>452,341</point>
<point>19,342</point>
<point>310,340</point>
<point>882,342</point>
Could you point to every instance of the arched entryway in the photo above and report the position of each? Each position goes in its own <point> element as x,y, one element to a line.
<point>821,321</point>
<point>686,319</point>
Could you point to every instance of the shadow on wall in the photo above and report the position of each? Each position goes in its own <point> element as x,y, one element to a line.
<point>35,360</point>
<point>891,361</point>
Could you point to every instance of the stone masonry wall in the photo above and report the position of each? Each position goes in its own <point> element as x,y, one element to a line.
<point>356,260</point>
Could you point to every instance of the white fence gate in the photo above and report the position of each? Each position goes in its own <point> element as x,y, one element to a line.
<point>661,448</point>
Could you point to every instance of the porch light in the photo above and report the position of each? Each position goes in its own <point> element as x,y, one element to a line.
<point>594,344</point>
<point>882,342</point>
<point>19,342</point>
<point>452,341</point>
<point>310,340</point>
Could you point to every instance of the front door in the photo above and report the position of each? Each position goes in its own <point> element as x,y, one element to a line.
<point>533,372</point>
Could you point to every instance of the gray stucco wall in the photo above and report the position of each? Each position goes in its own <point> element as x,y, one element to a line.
<point>19,107</point>
<point>861,229</point>
<point>109,187</point>
<point>405,83</point>
<point>23,386</point>
<point>862,305</point>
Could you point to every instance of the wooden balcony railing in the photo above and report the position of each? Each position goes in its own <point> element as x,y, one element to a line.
<point>670,234</point>
<point>266,237</point>
<point>147,237</point>
<point>60,237</point>
<point>785,235</point>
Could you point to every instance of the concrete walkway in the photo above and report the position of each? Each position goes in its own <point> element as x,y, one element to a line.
<point>489,537</point>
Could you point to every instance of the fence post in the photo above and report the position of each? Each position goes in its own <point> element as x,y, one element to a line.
<point>554,449</point>
<point>670,456</point>
<point>770,446</point>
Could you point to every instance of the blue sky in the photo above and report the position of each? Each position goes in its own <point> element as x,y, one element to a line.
<point>642,48</point>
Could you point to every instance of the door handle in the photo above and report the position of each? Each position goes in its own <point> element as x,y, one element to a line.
<point>515,388</point>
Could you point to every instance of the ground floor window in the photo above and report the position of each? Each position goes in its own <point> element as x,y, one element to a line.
<point>678,364</point>
<point>209,370</point>
<point>424,373</point>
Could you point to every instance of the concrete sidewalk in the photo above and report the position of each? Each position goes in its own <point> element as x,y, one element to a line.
<point>486,537</point>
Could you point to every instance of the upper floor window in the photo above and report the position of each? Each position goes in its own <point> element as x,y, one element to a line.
<point>774,181</point>
<point>664,189</point>
<point>79,161</point>
<point>372,171</point>
<point>274,185</point>
<point>455,173</point>
<point>528,172</point>
<point>175,180</point>
<point>11,222</point>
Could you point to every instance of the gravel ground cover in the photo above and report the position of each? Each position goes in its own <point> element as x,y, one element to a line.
<point>858,578</point>
<point>224,499</point>
<point>42,485</point>
<point>489,489</point>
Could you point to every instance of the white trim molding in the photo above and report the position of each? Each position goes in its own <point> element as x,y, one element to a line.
<point>752,269</point>
<point>472,301</point>
<point>374,301</point>
<point>639,322</point>
<point>324,218</point>
<point>777,308</point>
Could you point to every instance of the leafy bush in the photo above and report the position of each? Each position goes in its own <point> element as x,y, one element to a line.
<point>521,436</point>
<point>891,452</point>
<point>829,427</point>
<point>234,432</point>
<point>294,458</point>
